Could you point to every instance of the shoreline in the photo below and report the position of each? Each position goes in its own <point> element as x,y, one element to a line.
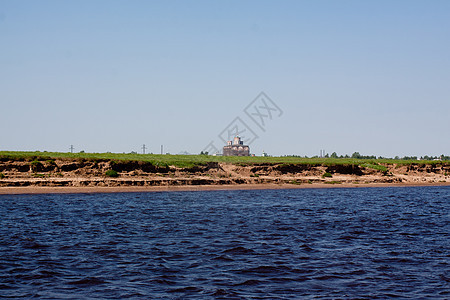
<point>190,188</point>
<point>21,176</point>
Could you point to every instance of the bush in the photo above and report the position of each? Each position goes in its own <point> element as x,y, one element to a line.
<point>36,166</point>
<point>2,175</point>
<point>112,173</point>
<point>327,175</point>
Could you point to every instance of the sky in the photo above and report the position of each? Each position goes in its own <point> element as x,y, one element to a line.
<point>341,76</point>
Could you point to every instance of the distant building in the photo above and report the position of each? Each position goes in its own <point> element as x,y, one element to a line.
<point>236,148</point>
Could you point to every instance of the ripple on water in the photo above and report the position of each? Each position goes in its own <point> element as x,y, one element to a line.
<point>280,244</point>
<point>239,251</point>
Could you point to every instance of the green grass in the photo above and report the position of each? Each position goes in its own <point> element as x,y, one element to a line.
<point>327,175</point>
<point>111,173</point>
<point>186,161</point>
<point>38,175</point>
<point>375,166</point>
<point>295,182</point>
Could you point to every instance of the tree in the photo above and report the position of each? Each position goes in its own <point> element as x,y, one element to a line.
<point>356,155</point>
<point>334,155</point>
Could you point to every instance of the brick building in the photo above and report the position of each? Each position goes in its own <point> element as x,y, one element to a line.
<point>236,148</point>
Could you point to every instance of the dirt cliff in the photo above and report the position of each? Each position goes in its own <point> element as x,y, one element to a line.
<point>84,172</point>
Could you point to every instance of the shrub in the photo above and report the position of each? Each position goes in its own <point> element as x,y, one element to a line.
<point>326,174</point>
<point>36,166</point>
<point>112,173</point>
<point>161,164</point>
<point>2,175</point>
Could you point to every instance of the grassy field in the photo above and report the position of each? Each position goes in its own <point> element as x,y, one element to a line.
<point>192,160</point>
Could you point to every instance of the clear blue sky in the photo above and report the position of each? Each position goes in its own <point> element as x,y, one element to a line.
<point>366,76</point>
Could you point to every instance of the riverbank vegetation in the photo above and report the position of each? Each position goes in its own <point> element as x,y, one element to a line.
<point>184,161</point>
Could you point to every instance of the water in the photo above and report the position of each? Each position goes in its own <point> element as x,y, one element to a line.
<point>280,244</point>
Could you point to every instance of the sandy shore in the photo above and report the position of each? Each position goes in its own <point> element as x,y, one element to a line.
<point>73,176</point>
<point>130,189</point>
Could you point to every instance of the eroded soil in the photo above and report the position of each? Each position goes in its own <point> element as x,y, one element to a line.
<point>80,173</point>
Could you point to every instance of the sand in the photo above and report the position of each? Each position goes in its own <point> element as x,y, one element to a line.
<point>135,189</point>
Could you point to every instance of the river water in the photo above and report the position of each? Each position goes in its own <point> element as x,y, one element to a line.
<point>260,244</point>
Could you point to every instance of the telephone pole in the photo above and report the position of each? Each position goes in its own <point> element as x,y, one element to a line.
<point>71,148</point>
<point>143,149</point>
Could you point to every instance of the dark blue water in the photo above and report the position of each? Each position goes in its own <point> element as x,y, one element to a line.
<point>280,244</point>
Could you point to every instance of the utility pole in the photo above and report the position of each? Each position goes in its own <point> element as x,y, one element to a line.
<point>161,149</point>
<point>143,149</point>
<point>71,148</point>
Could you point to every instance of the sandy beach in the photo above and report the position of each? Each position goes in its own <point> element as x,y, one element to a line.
<point>137,189</point>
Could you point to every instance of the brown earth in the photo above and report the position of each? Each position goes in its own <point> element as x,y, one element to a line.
<point>57,174</point>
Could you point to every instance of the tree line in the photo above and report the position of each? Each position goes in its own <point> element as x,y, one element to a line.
<point>357,155</point>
